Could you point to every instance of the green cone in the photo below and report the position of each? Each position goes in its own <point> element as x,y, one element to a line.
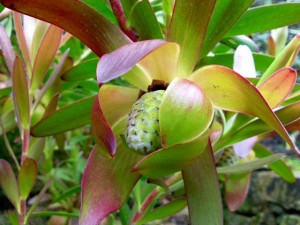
<point>142,129</point>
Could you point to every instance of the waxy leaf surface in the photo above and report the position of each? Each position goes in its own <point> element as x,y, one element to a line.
<point>230,91</point>
<point>82,21</point>
<point>185,113</point>
<point>82,71</point>
<point>172,159</point>
<point>278,86</point>
<point>279,166</point>
<point>249,166</point>
<point>236,189</point>
<point>45,55</point>
<point>7,49</point>
<point>27,176</point>
<point>69,117</point>
<point>107,181</point>
<point>122,60</point>
<point>254,20</point>
<point>188,28</point>
<point>21,94</point>
<point>8,183</point>
<point>202,190</point>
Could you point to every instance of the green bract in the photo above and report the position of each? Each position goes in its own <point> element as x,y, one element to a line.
<point>142,129</point>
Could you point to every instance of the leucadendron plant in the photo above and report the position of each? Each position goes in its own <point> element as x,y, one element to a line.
<point>179,110</point>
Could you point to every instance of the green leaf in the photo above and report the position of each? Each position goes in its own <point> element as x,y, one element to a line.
<point>82,71</point>
<point>188,28</point>
<point>27,176</point>
<point>8,183</point>
<point>262,62</point>
<point>202,191</point>
<point>224,16</point>
<point>172,159</point>
<point>279,167</point>
<point>55,213</point>
<point>68,193</point>
<point>254,20</point>
<point>107,181</point>
<point>21,94</point>
<point>230,91</point>
<point>102,7</point>
<point>45,55</point>
<point>183,101</point>
<point>92,28</point>
<point>7,49</point>
<point>67,118</point>
<point>284,59</point>
<point>163,211</point>
<point>143,20</point>
<point>250,166</point>
<point>236,190</point>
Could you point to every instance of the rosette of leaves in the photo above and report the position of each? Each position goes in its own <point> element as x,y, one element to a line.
<point>192,97</point>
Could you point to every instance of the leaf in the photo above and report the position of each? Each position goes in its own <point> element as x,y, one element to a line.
<point>67,118</point>
<point>183,101</point>
<point>122,60</point>
<point>279,166</point>
<point>236,190</point>
<point>163,211</point>
<point>45,55</point>
<point>202,190</point>
<point>92,28</point>
<point>224,16</point>
<point>7,49</point>
<point>54,213</point>
<point>82,71</point>
<point>27,177</point>
<point>144,21</point>
<point>8,183</point>
<point>262,62</point>
<point>21,95</point>
<point>107,182</point>
<point>230,91</point>
<point>249,166</point>
<point>103,7</point>
<point>171,159</point>
<point>188,28</point>
<point>284,59</point>
<point>277,87</point>
<point>254,20</point>
<point>68,193</point>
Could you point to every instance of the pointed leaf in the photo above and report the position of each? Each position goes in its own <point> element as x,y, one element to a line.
<point>224,16</point>
<point>27,176</point>
<point>106,182</point>
<point>230,91</point>
<point>8,183</point>
<point>254,20</point>
<point>163,211</point>
<point>82,71</point>
<point>172,159</point>
<point>124,59</point>
<point>67,118</point>
<point>202,190</point>
<point>279,166</point>
<point>7,49</point>
<point>183,101</point>
<point>45,55</point>
<point>188,27</point>
<point>250,166</point>
<point>92,28</point>
<point>284,59</point>
<point>236,189</point>
<point>278,86</point>
<point>21,94</point>
<point>144,21</point>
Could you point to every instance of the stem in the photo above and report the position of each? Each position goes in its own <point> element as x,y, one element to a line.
<point>38,199</point>
<point>22,212</point>
<point>122,21</point>
<point>8,146</point>
<point>25,146</point>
